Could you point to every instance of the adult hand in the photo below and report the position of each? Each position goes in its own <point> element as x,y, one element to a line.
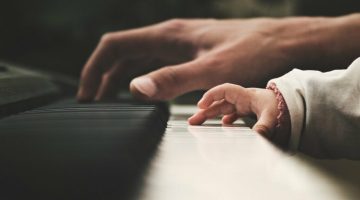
<point>199,54</point>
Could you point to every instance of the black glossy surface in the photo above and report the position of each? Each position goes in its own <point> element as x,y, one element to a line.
<point>3,68</point>
<point>78,151</point>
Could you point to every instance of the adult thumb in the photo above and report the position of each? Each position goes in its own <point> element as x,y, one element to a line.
<point>168,82</point>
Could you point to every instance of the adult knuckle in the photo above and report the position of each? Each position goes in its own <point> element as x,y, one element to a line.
<point>108,46</point>
<point>172,75</point>
<point>176,22</point>
<point>174,25</point>
<point>107,38</point>
<point>165,80</point>
<point>227,85</point>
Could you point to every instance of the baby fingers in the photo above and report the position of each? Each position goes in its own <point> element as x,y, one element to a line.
<point>229,119</point>
<point>218,108</point>
<point>229,92</point>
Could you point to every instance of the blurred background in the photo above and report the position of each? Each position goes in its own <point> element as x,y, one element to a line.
<point>59,35</point>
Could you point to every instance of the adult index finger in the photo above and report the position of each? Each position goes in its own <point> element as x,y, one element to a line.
<point>112,48</point>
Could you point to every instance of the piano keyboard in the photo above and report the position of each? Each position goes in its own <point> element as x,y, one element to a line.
<point>78,151</point>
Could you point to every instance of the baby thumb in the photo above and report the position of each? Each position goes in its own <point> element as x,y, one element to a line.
<point>265,125</point>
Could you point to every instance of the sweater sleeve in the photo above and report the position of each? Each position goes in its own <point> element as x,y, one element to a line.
<point>324,111</point>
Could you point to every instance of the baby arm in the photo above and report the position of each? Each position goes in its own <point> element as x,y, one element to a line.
<point>233,101</point>
<point>325,111</point>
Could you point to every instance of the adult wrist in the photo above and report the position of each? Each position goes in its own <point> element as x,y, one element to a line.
<point>305,40</point>
<point>320,42</point>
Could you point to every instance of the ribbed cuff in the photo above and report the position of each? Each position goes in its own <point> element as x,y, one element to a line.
<point>283,126</point>
<point>283,116</point>
<point>292,93</point>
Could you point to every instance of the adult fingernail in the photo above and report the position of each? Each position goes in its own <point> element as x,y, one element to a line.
<point>145,85</point>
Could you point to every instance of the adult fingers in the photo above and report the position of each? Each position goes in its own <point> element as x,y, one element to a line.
<point>100,60</point>
<point>109,83</point>
<point>141,44</point>
<point>169,82</point>
<point>216,109</point>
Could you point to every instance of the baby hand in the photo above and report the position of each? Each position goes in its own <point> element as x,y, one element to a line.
<point>233,101</point>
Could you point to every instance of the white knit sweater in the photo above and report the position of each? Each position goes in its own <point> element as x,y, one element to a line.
<point>324,110</point>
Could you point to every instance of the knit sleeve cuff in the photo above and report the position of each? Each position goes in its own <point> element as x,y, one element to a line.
<point>283,126</point>
<point>292,94</point>
<point>283,118</point>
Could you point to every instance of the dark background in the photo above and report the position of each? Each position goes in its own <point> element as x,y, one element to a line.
<point>59,35</point>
